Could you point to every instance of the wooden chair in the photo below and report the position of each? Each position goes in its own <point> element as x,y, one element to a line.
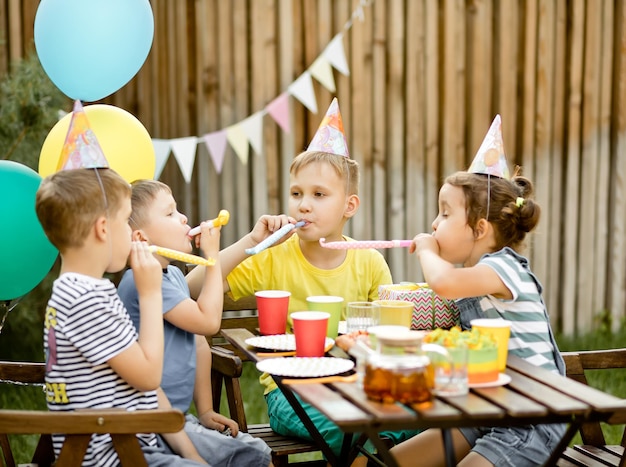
<point>594,451</point>
<point>226,369</point>
<point>78,426</point>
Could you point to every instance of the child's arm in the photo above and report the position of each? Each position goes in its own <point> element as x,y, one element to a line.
<point>449,281</point>
<point>203,315</point>
<point>231,256</point>
<point>179,442</point>
<point>141,365</point>
<point>202,394</point>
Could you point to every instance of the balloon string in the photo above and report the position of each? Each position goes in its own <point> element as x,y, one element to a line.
<point>5,309</point>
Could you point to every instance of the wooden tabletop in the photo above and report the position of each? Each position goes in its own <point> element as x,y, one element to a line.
<point>533,396</point>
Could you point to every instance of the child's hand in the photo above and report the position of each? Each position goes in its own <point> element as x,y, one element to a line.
<point>219,422</point>
<point>146,268</point>
<point>267,225</point>
<point>209,240</point>
<point>423,242</point>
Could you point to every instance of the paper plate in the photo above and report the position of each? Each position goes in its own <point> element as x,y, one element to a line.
<point>502,380</point>
<point>282,342</point>
<point>305,367</point>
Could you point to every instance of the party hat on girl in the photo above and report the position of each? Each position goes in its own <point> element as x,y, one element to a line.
<point>81,149</point>
<point>330,137</point>
<point>490,158</point>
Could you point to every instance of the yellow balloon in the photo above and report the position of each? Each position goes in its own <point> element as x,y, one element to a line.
<point>126,143</point>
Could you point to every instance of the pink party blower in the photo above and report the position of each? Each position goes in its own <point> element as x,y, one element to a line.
<point>272,306</point>
<point>310,327</point>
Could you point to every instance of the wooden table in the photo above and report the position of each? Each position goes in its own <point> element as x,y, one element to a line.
<point>533,396</point>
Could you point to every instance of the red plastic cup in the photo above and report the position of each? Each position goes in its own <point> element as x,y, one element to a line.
<point>273,306</point>
<point>309,327</point>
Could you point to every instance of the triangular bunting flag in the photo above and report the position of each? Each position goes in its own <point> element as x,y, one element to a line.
<point>253,127</point>
<point>336,55</point>
<point>184,150</point>
<point>161,154</point>
<point>323,72</point>
<point>238,141</point>
<point>279,111</point>
<point>81,149</point>
<point>302,89</point>
<point>216,144</point>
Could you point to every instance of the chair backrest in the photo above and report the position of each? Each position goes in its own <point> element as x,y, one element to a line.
<point>78,426</point>
<point>237,314</point>
<point>577,363</point>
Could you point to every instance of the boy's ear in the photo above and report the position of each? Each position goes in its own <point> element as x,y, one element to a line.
<point>101,228</point>
<point>352,206</point>
<point>139,236</point>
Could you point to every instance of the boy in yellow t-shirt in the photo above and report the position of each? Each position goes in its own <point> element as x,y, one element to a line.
<point>324,194</point>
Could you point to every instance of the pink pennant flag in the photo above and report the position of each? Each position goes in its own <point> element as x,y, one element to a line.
<point>216,144</point>
<point>279,111</point>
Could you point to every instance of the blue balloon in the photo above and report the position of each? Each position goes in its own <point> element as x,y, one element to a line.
<point>91,48</point>
<point>26,254</point>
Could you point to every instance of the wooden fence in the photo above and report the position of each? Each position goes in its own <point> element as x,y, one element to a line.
<point>426,77</point>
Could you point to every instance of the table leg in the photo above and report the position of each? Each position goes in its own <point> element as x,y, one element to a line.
<point>572,429</point>
<point>315,434</point>
<point>448,447</point>
<point>383,452</point>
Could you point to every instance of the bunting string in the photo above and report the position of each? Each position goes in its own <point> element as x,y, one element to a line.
<point>249,132</point>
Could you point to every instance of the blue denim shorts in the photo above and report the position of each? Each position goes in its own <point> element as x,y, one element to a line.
<point>530,445</point>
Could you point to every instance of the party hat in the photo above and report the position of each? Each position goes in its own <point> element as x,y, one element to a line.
<point>329,136</point>
<point>490,158</point>
<point>81,149</point>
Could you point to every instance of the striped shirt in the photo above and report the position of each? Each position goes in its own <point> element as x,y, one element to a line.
<point>85,326</point>
<point>531,336</point>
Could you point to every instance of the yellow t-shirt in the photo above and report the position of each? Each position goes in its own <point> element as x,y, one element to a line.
<point>284,267</point>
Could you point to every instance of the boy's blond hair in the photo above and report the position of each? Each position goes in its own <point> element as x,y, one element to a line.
<point>69,202</point>
<point>143,193</point>
<point>346,168</point>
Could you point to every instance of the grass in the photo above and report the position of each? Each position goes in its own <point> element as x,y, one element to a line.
<point>611,381</point>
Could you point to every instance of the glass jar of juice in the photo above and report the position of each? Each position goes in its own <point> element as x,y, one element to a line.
<point>399,370</point>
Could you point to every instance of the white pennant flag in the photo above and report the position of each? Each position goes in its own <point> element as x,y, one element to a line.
<point>253,127</point>
<point>184,150</point>
<point>239,141</point>
<point>323,72</point>
<point>336,55</point>
<point>302,89</point>
<point>161,154</point>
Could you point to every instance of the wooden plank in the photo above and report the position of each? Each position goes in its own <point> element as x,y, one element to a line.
<point>527,117</point>
<point>551,293</point>
<point>453,141</point>
<point>479,74</point>
<point>4,36</point>
<point>570,218</point>
<point>311,50</point>
<point>265,189</point>
<point>396,203</point>
<point>543,177</point>
<point>16,49</point>
<point>207,111</point>
<point>367,41</point>
<point>617,273</point>
<point>415,197</point>
<point>433,113</point>
<point>602,206</point>
<point>589,167</point>
<point>286,72</point>
<point>506,53</point>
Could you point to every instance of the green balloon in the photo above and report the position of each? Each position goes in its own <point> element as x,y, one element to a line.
<point>26,255</point>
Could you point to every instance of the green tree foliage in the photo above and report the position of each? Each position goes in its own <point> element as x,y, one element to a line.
<point>30,107</point>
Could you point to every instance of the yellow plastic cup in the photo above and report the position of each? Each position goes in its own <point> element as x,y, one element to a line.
<point>395,312</point>
<point>500,329</point>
